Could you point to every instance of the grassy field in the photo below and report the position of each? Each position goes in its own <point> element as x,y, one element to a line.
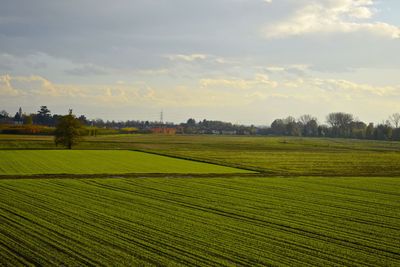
<point>28,162</point>
<point>204,222</point>
<point>274,156</point>
<point>336,202</point>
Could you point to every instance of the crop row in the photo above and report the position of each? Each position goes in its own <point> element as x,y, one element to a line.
<point>200,221</point>
<point>32,162</point>
<point>273,155</point>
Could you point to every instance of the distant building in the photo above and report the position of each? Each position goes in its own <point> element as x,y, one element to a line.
<point>163,130</point>
<point>228,132</point>
<point>18,119</point>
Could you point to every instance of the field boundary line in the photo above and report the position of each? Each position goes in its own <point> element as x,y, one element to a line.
<point>173,175</point>
<point>131,175</point>
<point>202,161</point>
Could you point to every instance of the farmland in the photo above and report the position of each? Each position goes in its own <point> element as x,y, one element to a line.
<point>228,221</point>
<point>313,202</point>
<point>27,162</point>
<point>274,156</point>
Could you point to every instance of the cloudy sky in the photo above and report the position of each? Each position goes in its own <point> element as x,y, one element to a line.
<point>244,61</point>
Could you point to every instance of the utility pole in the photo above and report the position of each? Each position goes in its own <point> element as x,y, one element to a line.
<point>162,117</point>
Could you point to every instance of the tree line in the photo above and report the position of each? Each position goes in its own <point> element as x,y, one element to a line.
<point>336,124</point>
<point>44,117</point>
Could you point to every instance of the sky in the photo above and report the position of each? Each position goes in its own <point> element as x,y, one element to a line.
<point>243,61</point>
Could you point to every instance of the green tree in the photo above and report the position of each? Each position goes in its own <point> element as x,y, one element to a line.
<point>28,120</point>
<point>67,131</point>
<point>383,132</point>
<point>4,114</point>
<point>44,111</point>
<point>43,116</point>
<point>278,127</point>
<point>369,131</point>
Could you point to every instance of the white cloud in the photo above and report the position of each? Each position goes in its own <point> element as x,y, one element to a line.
<point>201,58</point>
<point>294,83</point>
<point>355,89</point>
<point>297,95</point>
<point>330,16</point>
<point>162,71</point>
<point>187,58</point>
<point>258,80</point>
<point>6,89</point>
<point>295,69</point>
<point>26,85</point>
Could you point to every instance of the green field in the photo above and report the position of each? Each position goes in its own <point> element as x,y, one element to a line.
<point>314,202</point>
<point>230,221</point>
<point>28,162</point>
<point>274,156</point>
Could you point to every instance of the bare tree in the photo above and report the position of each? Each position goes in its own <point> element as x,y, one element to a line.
<point>289,119</point>
<point>306,118</point>
<point>339,119</point>
<point>395,119</point>
<point>309,125</point>
<point>340,122</point>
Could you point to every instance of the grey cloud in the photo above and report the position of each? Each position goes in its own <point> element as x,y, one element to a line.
<point>5,63</point>
<point>126,33</point>
<point>89,42</point>
<point>87,69</point>
<point>137,34</point>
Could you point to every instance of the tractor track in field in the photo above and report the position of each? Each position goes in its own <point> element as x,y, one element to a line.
<point>118,217</point>
<point>131,175</point>
<point>106,163</point>
<point>199,222</point>
<point>173,175</point>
